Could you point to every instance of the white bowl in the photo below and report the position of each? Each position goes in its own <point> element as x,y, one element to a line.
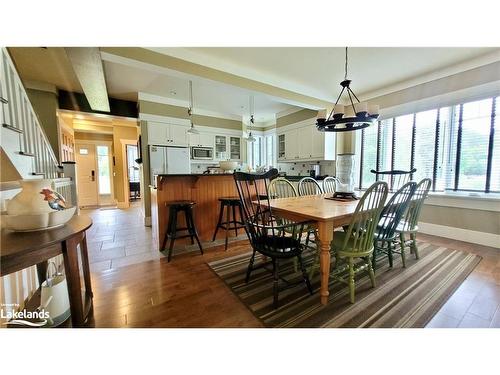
<point>31,223</point>
<point>58,218</point>
<point>228,165</point>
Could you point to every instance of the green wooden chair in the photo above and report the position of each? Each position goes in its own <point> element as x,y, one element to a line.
<point>391,215</point>
<point>353,249</point>
<point>309,186</point>
<point>282,188</point>
<point>330,184</point>
<point>409,225</point>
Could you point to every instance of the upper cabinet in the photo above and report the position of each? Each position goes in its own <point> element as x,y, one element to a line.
<point>201,140</point>
<point>305,143</point>
<point>220,147</point>
<point>160,133</point>
<point>235,148</point>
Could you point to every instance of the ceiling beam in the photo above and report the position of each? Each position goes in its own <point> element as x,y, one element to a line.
<point>88,68</point>
<point>154,61</point>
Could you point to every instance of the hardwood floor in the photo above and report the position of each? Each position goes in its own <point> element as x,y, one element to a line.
<point>186,293</point>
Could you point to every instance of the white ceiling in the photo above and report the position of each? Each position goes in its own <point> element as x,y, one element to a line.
<point>317,72</point>
<point>124,82</point>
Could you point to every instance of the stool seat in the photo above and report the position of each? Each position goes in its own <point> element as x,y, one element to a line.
<point>230,204</point>
<point>180,203</point>
<point>172,232</point>
<point>230,200</point>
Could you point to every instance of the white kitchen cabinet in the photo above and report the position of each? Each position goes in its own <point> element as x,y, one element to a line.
<point>160,133</point>
<point>201,140</point>
<point>305,136</point>
<point>291,145</point>
<point>305,143</point>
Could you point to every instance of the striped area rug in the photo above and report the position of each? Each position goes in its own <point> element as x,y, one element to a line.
<point>403,297</point>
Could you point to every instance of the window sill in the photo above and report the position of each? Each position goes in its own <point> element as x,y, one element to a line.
<point>468,200</point>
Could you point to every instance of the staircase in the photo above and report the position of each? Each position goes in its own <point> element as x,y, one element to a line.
<point>22,137</point>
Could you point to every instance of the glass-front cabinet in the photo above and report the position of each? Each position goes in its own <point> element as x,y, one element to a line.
<point>235,148</point>
<point>227,147</point>
<point>281,146</point>
<point>220,147</point>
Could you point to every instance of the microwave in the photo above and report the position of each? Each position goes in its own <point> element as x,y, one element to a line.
<point>202,153</point>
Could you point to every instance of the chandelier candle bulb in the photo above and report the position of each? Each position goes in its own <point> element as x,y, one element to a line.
<point>322,114</point>
<point>338,109</point>
<point>349,111</point>
<point>373,109</point>
<point>362,108</point>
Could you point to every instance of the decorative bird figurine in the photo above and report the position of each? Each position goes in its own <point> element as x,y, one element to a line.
<point>56,201</point>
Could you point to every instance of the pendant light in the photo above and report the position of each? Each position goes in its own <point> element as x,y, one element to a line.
<point>355,116</point>
<point>251,138</point>
<point>192,129</point>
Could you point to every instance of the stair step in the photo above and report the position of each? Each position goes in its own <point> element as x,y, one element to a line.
<point>13,128</point>
<point>26,153</point>
<point>3,100</point>
<point>37,173</point>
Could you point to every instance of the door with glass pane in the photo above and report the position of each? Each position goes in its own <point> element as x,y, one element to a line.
<point>221,147</point>
<point>235,148</point>
<point>86,174</point>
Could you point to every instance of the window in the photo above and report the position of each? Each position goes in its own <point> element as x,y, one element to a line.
<point>103,168</point>
<point>270,153</point>
<point>255,152</point>
<point>457,147</point>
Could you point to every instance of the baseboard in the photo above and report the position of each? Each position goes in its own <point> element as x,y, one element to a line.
<point>147,221</point>
<point>123,204</point>
<point>466,235</point>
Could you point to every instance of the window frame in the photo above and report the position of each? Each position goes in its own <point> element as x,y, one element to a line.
<point>443,135</point>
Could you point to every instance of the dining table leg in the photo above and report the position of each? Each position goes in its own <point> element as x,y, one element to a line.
<point>325,235</point>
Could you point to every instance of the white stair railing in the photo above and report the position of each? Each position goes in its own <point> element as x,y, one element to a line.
<point>18,116</point>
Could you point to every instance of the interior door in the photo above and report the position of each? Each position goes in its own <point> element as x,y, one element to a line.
<point>86,166</point>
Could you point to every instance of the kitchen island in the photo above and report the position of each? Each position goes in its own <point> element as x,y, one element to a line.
<point>204,189</point>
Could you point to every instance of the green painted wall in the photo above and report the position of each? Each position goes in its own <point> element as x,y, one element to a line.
<point>160,109</point>
<point>303,114</point>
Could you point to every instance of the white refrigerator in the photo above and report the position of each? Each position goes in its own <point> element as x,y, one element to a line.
<point>168,160</point>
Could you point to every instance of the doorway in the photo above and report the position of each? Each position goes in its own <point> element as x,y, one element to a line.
<point>94,173</point>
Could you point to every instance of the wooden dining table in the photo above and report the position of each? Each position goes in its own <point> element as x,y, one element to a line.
<point>326,213</point>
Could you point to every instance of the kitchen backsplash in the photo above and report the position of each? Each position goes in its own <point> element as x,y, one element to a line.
<point>302,169</point>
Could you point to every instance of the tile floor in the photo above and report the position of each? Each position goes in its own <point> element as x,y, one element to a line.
<point>118,238</point>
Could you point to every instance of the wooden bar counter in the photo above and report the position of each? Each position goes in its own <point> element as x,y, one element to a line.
<point>205,190</point>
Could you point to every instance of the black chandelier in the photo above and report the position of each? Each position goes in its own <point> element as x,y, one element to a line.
<point>352,117</point>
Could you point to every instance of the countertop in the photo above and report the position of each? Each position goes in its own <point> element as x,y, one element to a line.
<point>195,174</point>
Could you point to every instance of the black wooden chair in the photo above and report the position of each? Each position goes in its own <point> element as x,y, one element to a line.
<point>277,241</point>
<point>391,215</point>
<point>395,178</point>
<point>408,226</point>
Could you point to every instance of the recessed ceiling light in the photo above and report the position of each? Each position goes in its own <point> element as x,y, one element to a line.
<point>173,92</point>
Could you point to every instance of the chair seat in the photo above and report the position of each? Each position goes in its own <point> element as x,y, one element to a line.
<point>349,250</point>
<point>278,246</point>
<point>404,226</point>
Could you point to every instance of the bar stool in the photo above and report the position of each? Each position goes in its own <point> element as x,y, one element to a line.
<point>230,204</point>
<point>174,207</point>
